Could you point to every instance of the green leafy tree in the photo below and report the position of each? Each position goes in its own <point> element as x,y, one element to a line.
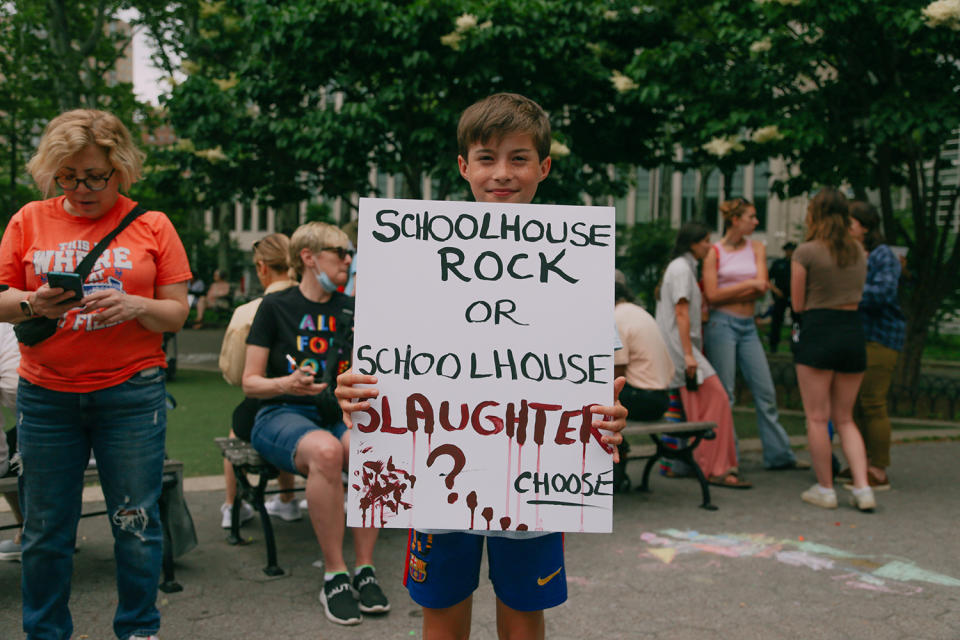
<point>304,96</point>
<point>861,93</point>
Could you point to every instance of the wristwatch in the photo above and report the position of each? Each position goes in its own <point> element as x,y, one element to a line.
<point>26,308</point>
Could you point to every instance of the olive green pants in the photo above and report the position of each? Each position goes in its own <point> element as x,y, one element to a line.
<point>870,411</point>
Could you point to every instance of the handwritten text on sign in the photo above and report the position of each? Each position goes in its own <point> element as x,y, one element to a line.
<point>490,329</point>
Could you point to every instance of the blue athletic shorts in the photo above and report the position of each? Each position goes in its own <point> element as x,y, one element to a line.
<point>443,569</point>
<point>278,429</point>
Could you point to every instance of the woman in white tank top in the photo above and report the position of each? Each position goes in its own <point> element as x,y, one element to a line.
<point>734,276</point>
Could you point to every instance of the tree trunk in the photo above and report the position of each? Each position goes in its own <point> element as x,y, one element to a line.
<point>224,225</point>
<point>700,204</point>
<point>665,193</point>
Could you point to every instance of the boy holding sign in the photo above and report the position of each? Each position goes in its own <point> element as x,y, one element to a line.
<point>504,147</point>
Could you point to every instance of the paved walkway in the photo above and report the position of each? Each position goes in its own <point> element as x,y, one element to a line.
<point>763,566</point>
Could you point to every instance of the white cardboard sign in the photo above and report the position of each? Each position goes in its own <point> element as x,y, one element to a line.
<point>490,329</point>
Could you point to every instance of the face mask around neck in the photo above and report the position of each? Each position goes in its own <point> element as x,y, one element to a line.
<point>325,281</point>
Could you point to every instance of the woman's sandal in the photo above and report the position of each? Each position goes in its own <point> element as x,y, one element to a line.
<point>730,481</point>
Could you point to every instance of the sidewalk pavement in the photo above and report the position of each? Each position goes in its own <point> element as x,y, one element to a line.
<point>764,566</point>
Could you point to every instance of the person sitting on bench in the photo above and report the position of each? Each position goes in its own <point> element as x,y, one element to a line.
<point>288,353</point>
<point>270,259</point>
<point>644,359</point>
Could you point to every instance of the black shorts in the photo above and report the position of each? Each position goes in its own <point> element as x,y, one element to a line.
<point>831,339</point>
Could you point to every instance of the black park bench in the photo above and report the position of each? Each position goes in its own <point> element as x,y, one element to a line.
<point>692,432</point>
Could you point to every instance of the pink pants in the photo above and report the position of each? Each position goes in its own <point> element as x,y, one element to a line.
<point>710,403</point>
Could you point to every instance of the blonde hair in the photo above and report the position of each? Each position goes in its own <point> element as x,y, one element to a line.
<point>503,114</point>
<point>274,251</point>
<point>314,236</point>
<point>733,209</point>
<point>71,132</point>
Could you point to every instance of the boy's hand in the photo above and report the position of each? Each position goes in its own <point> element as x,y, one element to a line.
<point>352,398</point>
<point>612,418</point>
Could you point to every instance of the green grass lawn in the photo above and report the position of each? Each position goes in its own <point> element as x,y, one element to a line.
<point>943,347</point>
<point>205,404</point>
<point>204,407</point>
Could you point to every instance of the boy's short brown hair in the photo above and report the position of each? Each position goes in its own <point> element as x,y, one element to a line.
<point>503,114</point>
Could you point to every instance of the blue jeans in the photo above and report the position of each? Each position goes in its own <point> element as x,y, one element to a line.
<point>125,425</point>
<point>732,342</point>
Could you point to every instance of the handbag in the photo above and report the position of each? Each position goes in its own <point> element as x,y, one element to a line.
<point>36,330</point>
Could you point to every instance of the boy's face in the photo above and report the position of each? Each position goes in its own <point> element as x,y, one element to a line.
<point>504,170</point>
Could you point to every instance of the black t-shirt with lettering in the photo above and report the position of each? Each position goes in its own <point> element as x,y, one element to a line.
<point>288,323</point>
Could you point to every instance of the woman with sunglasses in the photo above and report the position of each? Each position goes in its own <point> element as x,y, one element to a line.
<point>285,363</point>
<point>96,383</point>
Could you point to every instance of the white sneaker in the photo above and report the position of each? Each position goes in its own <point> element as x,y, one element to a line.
<point>825,499</point>
<point>863,499</point>
<point>288,511</point>
<point>303,504</point>
<point>246,513</point>
<point>144,637</point>
<point>9,551</point>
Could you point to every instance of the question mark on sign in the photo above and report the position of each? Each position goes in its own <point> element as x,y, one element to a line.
<point>458,461</point>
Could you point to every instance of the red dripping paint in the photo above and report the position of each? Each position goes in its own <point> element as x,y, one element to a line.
<point>509,452</point>
<point>487,514</point>
<point>472,504</point>
<point>451,498</point>
<point>504,523</point>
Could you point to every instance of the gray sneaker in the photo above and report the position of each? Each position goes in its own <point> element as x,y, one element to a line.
<point>9,551</point>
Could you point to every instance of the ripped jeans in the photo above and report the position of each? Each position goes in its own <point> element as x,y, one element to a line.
<point>125,425</point>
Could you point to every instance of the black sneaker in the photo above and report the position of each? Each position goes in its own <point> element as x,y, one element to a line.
<point>338,602</point>
<point>372,599</point>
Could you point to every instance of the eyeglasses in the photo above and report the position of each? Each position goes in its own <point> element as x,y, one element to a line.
<point>342,252</point>
<point>92,182</point>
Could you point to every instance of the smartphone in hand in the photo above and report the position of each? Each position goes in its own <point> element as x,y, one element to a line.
<point>67,281</point>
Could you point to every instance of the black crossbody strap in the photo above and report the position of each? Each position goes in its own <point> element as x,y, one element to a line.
<point>86,265</point>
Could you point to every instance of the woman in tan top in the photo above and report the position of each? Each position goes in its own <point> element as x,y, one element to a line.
<point>827,277</point>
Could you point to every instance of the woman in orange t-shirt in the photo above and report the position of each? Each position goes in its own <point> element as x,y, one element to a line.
<point>96,383</point>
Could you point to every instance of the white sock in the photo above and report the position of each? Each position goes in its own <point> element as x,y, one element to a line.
<point>330,575</point>
<point>825,490</point>
<point>357,570</point>
<point>859,491</point>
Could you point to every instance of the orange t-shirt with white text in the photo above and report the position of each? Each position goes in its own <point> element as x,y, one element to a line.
<point>85,355</point>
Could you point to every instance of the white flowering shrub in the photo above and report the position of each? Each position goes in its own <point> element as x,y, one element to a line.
<point>761,46</point>
<point>558,149</point>
<point>466,21</point>
<point>943,13</point>
<point>723,146</point>
<point>622,83</point>
<point>766,134</point>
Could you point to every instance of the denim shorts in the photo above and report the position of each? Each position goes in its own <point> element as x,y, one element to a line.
<point>278,429</point>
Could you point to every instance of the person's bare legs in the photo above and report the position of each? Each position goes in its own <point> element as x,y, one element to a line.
<point>319,457</point>
<point>815,385</point>
<point>364,539</point>
<point>229,479</point>
<point>11,499</point>
<point>519,625</point>
<point>450,623</point>
<point>843,395</point>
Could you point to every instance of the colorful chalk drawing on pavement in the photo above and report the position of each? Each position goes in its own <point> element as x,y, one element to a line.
<point>882,574</point>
